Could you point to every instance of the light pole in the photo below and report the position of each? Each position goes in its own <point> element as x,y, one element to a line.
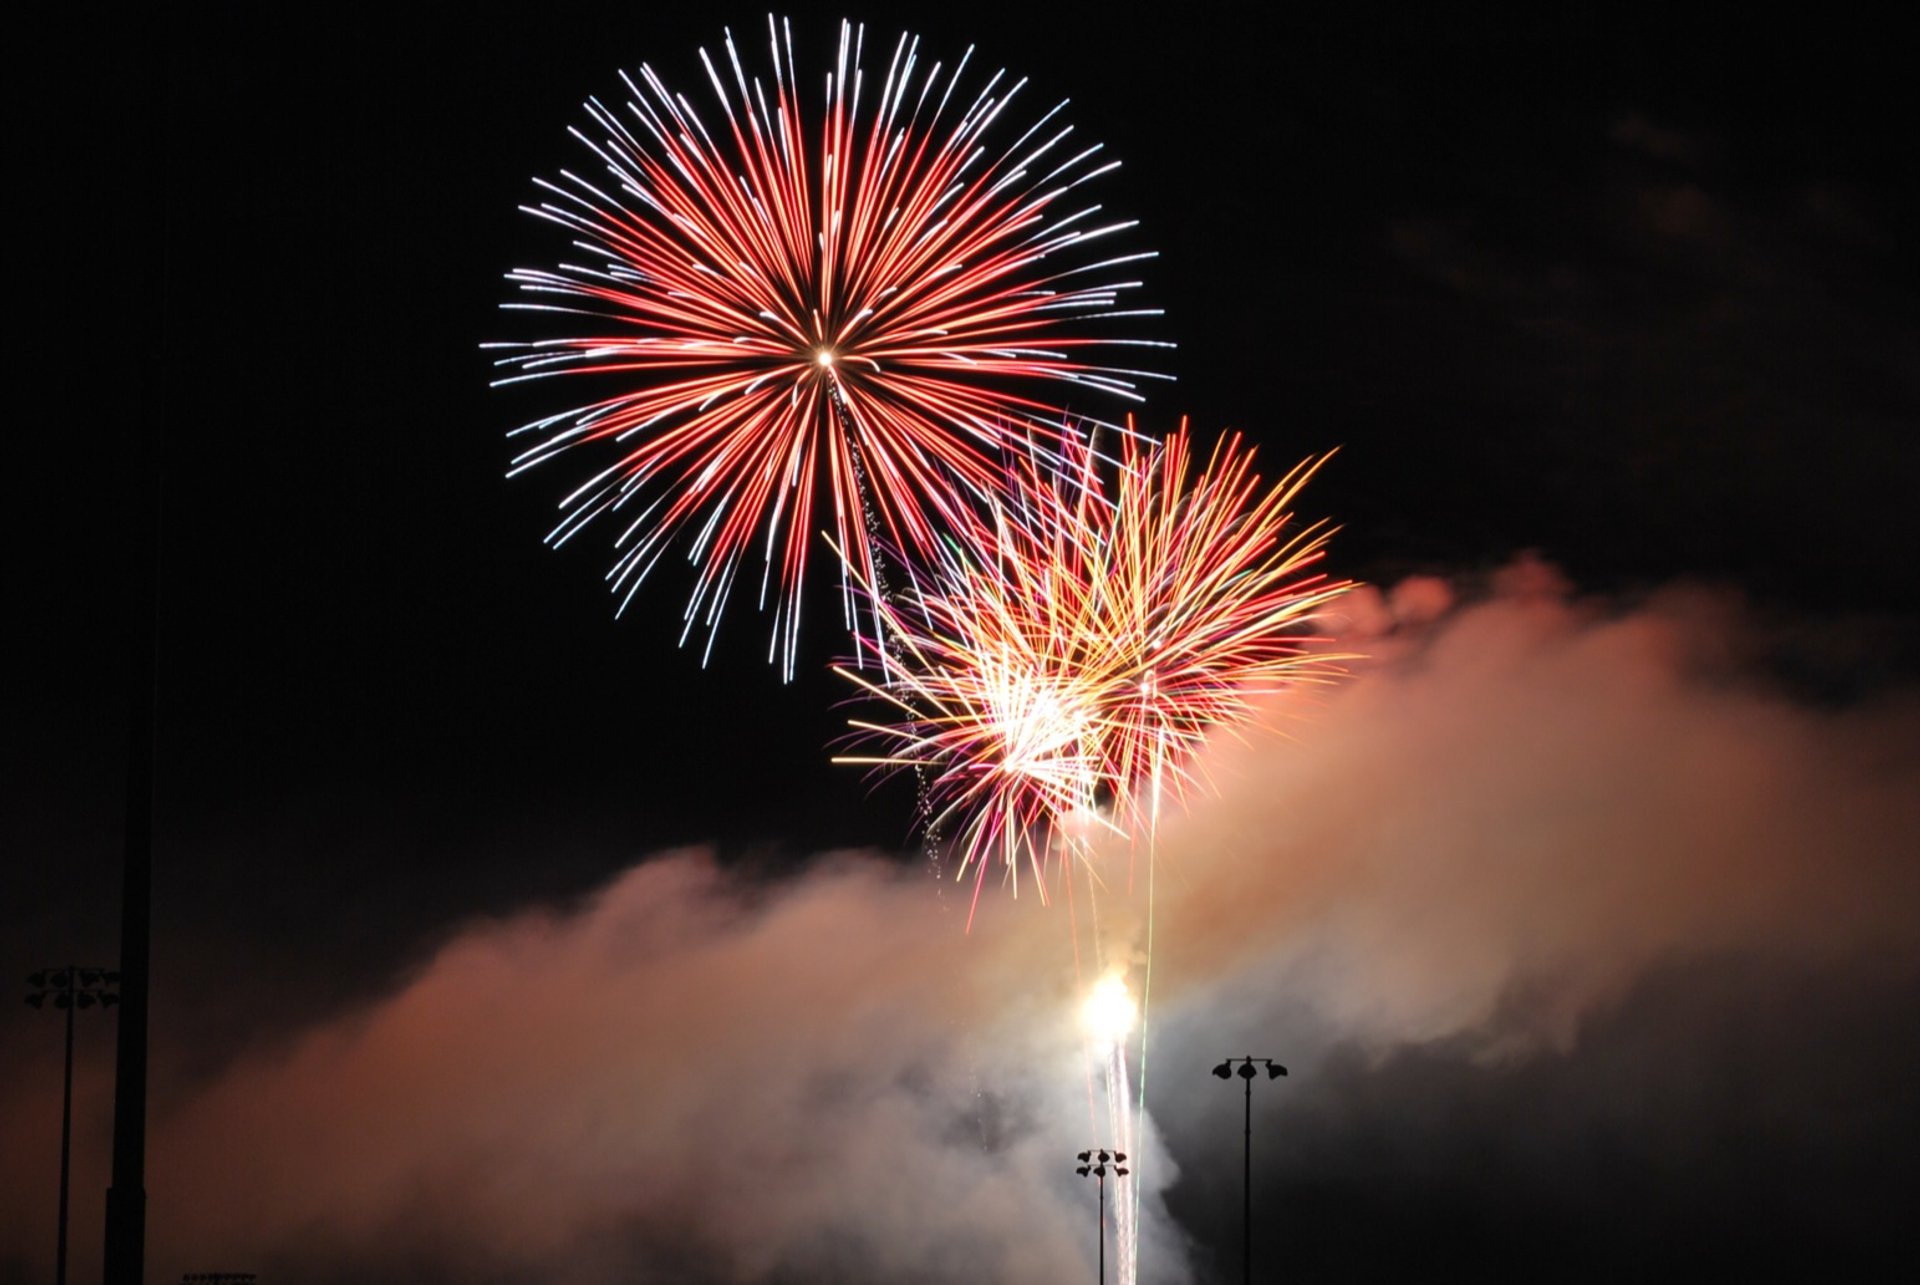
<point>1095,1163</point>
<point>1226,1072</point>
<point>69,988</point>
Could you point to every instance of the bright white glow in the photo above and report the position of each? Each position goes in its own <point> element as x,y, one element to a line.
<point>824,357</point>
<point>1109,1010</point>
<point>1042,726</point>
<point>1082,822</point>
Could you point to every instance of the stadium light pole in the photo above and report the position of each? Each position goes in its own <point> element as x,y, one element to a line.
<point>1226,1072</point>
<point>70,988</point>
<point>1096,1164</point>
<point>124,1248</point>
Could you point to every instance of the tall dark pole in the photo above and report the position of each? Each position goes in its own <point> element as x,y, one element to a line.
<point>127,1197</point>
<point>149,138</point>
<point>1095,1163</point>
<point>126,1221</point>
<point>66,1147</point>
<point>70,988</point>
<point>126,1232</point>
<point>1246,1185</point>
<point>1226,1072</point>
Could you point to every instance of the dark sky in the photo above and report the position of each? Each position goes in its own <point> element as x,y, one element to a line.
<point>1639,296</point>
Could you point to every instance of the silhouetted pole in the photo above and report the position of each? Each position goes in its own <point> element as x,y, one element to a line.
<point>127,1197</point>
<point>70,988</point>
<point>1226,1072</point>
<point>1095,1163</point>
<point>149,134</point>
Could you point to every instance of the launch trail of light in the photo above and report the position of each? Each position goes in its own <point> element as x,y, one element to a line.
<point>1127,1206</point>
<point>1107,1016</point>
<point>775,304</point>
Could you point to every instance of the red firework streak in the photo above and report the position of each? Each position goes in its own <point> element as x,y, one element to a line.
<point>873,302</point>
<point>1065,662</point>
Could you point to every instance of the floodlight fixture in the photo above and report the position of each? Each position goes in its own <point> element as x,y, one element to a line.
<point>1246,1073</point>
<point>70,989</point>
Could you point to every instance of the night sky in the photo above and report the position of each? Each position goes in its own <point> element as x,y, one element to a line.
<point>498,940</point>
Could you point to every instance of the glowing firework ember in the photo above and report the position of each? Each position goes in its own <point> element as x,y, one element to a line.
<point>1109,1012</point>
<point>1067,661</point>
<point>775,307</point>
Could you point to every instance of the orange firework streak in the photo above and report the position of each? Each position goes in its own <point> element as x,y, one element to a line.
<point>778,305</point>
<point>1068,658</point>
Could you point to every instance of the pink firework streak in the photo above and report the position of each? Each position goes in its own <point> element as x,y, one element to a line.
<point>1062,666</point>
<point>776,304</point>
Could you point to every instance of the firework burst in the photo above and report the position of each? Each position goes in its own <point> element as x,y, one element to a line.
<point>1062,665</point>
<point>859,307</point>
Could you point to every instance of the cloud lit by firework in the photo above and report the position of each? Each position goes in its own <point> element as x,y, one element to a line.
<point>774,300</point>
<point>1065,663</point>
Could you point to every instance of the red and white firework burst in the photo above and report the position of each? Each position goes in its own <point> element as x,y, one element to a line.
<point>867,305</point>
<point>1067,660</point>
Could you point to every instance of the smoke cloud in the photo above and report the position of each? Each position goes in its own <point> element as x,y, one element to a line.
<point>688,1078</point>
<point>1545,793</point>
<point>1579,935</point>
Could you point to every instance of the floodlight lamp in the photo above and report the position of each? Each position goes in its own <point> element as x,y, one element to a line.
<point>1085,1156</point>
<point>1121,1173</point>
<point>1083,1171</point>
<point>1275,1070</point>
<point>1224,1070</point>
<point>1246,1070</point>
<point>37,999</point>
<point>37,979</point>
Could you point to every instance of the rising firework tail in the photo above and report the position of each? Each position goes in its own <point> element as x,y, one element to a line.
<point>866,306</point>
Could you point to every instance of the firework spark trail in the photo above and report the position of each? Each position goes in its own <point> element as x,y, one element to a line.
<point>779,307</point>
<point>1124,1117</point>
<point>1126,1205</point>
<point>1107,1016</point>
<point>1146,995</point>
<point>1065,663</point>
